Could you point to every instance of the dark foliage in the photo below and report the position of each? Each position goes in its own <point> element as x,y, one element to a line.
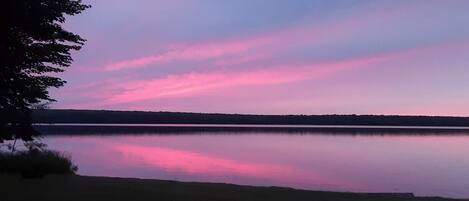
<point>35,163</point>
<point>130,117</point>
<point>16,124</point>
<point>33,46</point>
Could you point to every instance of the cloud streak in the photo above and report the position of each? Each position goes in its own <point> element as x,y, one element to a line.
<point>190,84</point>
<point>261,42</point>
<point>192,52</point>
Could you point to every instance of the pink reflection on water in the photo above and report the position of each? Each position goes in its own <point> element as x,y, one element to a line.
<point>193,163</point>
<point>317,162</point>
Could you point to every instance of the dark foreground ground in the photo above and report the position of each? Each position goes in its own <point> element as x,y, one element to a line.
<point>74,188</point>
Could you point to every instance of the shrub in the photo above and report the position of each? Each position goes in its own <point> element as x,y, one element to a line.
<point>36,163</point>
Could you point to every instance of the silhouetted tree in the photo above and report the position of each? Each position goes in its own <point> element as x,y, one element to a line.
<point>33,46</point>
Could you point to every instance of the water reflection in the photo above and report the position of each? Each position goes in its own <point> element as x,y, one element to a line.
<point>167,129</point>
<point>432,164</point>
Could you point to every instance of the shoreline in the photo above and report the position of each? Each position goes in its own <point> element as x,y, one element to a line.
<point>256,126</point>
<point>145,117</point>
<point>76,187</point>
<point>119,129</point>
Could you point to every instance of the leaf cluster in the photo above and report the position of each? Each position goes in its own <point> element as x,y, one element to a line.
<point>33,47</point>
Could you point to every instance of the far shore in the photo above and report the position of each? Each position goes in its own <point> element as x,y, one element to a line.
<point>141,117</point>
<point>80,188</point>
<point>168,129</point>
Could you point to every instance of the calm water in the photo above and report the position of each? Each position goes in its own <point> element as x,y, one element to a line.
<point>426,163</point>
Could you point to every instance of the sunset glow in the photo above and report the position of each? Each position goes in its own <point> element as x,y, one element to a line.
<point>311,57</point>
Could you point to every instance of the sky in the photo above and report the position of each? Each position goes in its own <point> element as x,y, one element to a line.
<point>406,57</point>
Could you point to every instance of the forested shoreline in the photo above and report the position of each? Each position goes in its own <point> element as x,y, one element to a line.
<point>140,117</point>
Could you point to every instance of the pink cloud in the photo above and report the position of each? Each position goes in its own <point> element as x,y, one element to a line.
<point>240,59</point>
<point>280,38</point>
<point>127,91</point>
<point>192,52</point>
<point>196,83</point>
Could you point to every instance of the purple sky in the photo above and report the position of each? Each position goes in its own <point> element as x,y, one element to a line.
<point>271,57</point>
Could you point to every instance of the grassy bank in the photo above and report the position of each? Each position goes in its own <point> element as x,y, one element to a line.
<point>80,188</point>
<point>35,164</point>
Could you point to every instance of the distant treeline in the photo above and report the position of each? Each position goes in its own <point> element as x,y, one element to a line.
<point>137,117</point>
<point>213,130</point>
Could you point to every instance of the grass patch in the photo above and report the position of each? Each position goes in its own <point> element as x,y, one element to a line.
<point>36,164</point>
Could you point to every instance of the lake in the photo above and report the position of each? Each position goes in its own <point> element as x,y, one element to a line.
<point>427,162</point>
